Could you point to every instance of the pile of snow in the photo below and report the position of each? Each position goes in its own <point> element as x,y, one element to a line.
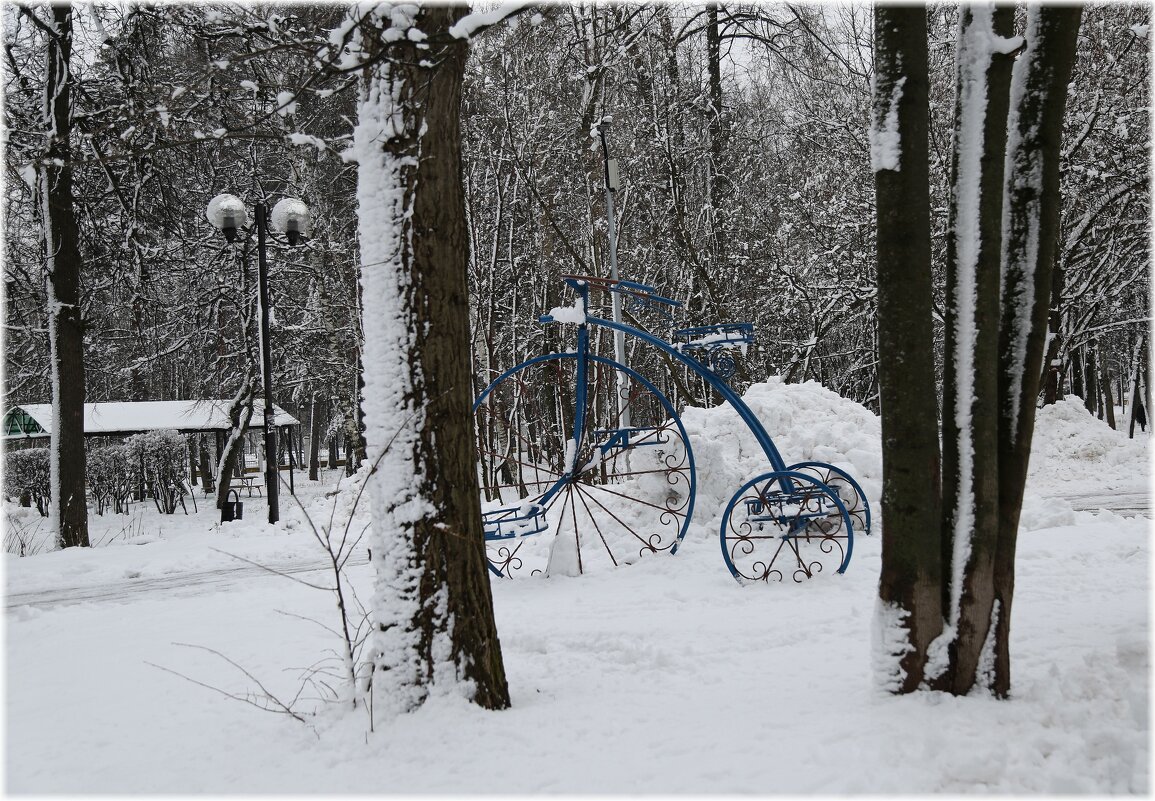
<point>1070,445</point>
<point>1076,457</point>
<point>1072,452</point>
<point>807,422</point>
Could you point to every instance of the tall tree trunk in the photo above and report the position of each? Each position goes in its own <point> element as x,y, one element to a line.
<point>1090,381</point>
<point>68,518</point>
<point>1146,372</point>
<point>909,614</point>
<point>1138,412</point>
<point>433,611</point>
<point>193,457</point>
<point>1077,373</point>
<point>716,126</point>
<point>1108,400</point>
<point>354,423</point>
<point>1038,98</point>
<point>205,468</point>
<point>316,431</point>
<point>970,383</point>
<point>240,413</point>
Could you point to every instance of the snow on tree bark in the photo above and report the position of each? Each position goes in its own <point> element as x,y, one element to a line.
<point>240,415</point>
<point>1030,244</point>
<point>432,609</point>
<point>969,420</point>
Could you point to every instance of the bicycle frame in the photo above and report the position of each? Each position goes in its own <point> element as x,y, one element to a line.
<point>718,384</point>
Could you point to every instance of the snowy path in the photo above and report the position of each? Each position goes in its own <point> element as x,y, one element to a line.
<point>1128,504</point>
<point>199,581</point>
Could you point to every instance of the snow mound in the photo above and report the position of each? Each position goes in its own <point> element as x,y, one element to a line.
<point>807,422</point>
<point>1070,445</point>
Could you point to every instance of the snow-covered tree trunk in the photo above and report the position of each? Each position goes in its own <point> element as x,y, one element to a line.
<point>1030,246</point>
<point>909,614</point>
<point>69,513</point>
<point>434,631</point>
<point>240,414</point>
<point>970,365</point>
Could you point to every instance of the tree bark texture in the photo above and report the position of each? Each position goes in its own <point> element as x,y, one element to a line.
<point>1038,98</point>
<point>970,380</point>
<point>205,468</point>
<point>432,606</point>
<point>1090,381</point>
<point>69,515</point>
<point>911,561</point>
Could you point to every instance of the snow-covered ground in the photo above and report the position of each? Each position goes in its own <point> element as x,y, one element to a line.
<point>661,677</point>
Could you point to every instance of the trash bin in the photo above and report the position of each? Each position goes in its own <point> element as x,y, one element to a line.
<point>232,509</point>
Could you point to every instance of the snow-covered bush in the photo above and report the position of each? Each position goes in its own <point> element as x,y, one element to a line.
<point>163,456</point>
<point>25,532</point>
<point>113,471</point>
<point>26,477</point>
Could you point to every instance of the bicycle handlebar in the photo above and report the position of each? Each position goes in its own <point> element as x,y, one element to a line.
<point>635,290</point>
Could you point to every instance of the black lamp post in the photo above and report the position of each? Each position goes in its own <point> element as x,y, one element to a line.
<point>290,215</point>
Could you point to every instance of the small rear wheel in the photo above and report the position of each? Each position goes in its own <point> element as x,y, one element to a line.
<point>847,489</point>
<point>785,525</point>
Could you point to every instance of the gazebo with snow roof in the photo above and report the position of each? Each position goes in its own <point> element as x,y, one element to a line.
<point>110,419</point>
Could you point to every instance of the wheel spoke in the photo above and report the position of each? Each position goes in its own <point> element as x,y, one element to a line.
<point>621,522</point>
<point>641,472</point>
<point>602,488</point>
<point>597,528</point>
<point>576,533</point>
<point>528,465</point>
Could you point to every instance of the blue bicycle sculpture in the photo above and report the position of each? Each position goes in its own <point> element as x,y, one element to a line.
<point>585,463</point>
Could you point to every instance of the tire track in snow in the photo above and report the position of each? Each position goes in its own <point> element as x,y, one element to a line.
<point>130,587</point>
<point>1127,503</point>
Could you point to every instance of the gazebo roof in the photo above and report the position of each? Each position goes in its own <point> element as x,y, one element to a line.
<point>35,419</point>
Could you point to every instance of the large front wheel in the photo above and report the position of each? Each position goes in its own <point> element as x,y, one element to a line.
<point>569,494</point>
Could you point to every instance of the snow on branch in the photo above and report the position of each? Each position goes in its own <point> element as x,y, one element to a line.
<point>478,21</point>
